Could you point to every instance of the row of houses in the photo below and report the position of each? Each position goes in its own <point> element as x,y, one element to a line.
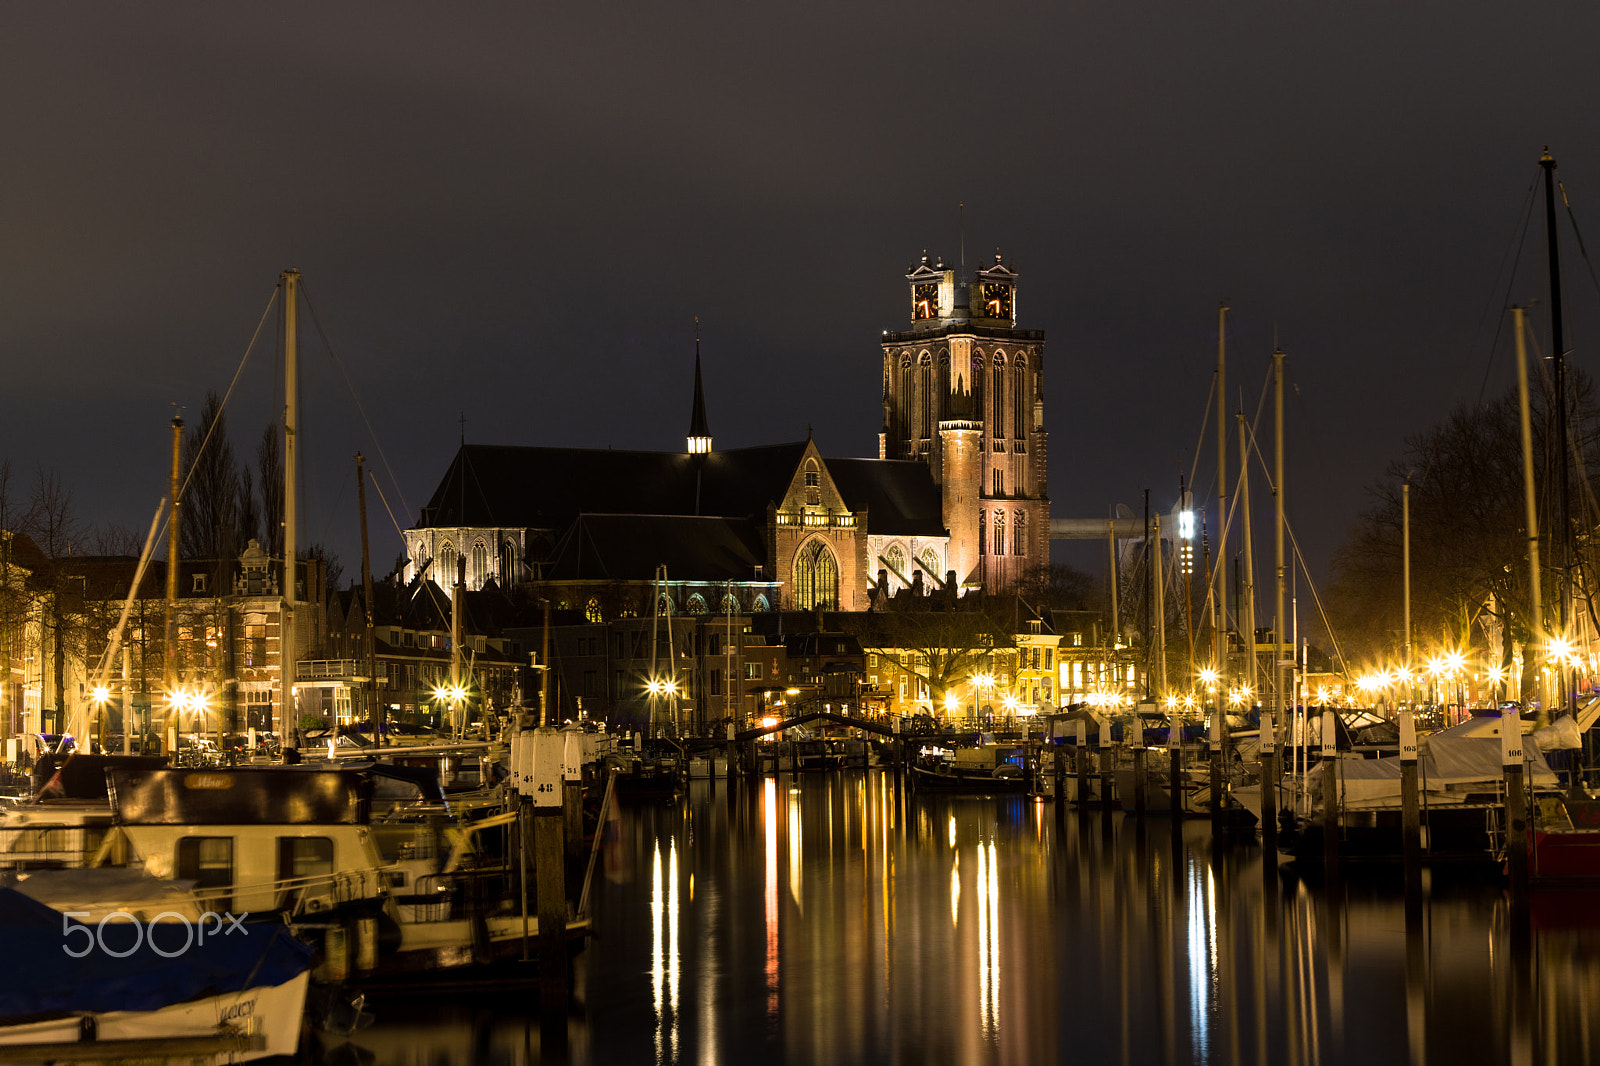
<point>672,667</point>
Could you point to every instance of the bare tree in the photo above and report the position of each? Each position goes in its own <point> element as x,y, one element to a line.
<point>941,648</point>
<point>211,488</point>
<point>53,523</point>
<point>269,468</point>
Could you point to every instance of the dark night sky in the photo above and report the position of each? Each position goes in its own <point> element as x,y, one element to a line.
<point>517,210</point>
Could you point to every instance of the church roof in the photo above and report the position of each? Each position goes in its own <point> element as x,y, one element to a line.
<point>898,494</point>
<point>548,488</point>
<point>628,547</point>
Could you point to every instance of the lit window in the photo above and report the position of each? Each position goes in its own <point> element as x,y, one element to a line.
<point>816,577</point>
<point>592,611</point>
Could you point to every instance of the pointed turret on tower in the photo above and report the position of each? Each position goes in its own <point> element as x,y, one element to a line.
<point>699,430</point>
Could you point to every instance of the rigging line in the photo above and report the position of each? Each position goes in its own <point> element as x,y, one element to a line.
<point>1199,445</point>
<point>350,387</point>
<point>1576,232</point>
<point>1509,263</point>
<point>1288,528</point>
<point>223,406</point>
<point>389,510</point>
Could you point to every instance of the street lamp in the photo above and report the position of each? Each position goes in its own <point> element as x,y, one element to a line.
<point>100,695</point>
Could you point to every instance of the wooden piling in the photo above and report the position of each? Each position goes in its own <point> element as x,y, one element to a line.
<point>1516,816</point>
<point>1214,742</point>
<point>1175,770</point>
<point>1410,808</point>
<point>1269,786</point>
<point>1330,796</point>
<point>1082,754</point>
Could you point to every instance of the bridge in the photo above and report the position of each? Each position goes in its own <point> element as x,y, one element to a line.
<point>882,729</point>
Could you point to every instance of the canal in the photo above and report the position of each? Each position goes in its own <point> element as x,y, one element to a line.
<point>827,918</point>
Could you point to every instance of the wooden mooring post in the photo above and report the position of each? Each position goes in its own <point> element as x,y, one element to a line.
<point>1410,807</point>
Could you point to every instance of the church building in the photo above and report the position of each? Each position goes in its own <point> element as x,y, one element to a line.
<point>954,502</point>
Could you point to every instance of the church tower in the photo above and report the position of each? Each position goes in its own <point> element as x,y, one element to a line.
<point>963,391</point>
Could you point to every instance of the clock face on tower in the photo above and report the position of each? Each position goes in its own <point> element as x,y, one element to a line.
<point>997,300</point>
<point>924,302</point>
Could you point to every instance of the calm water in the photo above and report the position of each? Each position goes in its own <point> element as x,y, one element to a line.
<point>822,919</point>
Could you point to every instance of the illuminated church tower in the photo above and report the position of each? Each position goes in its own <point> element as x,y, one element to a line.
<point>963,391</point>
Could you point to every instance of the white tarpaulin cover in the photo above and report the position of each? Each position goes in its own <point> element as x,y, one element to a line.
<point>1452,761</point>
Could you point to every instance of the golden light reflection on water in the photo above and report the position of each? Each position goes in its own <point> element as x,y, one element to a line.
<point>988,939</point>
<point>770,892</point>
<point>664,950</point>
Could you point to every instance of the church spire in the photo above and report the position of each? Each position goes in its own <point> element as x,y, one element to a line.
<point>699,431</point>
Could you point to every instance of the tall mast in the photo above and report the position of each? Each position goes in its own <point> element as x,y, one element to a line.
<point>1161,611</point>
<point>170,630</point>
<point>458,595</point>
<point>374,707</point>
<point>288,718</point>
<point>1558,350</point>
<point>1278,617</point>
<point>1221,665</point>
<point>1530,507</point>
<point>1247,590</point>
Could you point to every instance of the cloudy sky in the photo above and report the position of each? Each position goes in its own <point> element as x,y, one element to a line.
<point>516,211</point>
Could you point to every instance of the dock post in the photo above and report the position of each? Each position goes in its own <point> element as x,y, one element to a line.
<point>1058,758</point>
<point>1410,811</point>
<point>1082,754</point>
<point>550,887</point>
<point>1269,785</point>
<point>1175,769</point>
<point>1140,770</point>
<point>1214,745</point>
<point>733,757</point>
<point>1107,772</point>
<point>1330,795</point>
<point>572,791</point>
<point>1516,808</point>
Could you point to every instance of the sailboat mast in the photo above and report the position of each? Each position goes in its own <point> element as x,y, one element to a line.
<point>1278,617</point>
<point>1247,590</point>
<point>170,629</point>
<point>374,707</point>
<point>1221,665</point>
<point>288,719</point>
<point>1529,504</point>
<point>1558,350</point>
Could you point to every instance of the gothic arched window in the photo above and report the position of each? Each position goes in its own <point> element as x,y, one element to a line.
<point>478,568</point>
<point>696,604</point>
<point>1019,534</point>
<point>445,572</point>
<point>508,563</point>
<point>896,558</point>
<point>1019,397</point>
<point>997,397</point>
<point>925,396</point>
<point>813,484</point>
<point>760,604</point>
<point>591,612</point>
<point>816,577</point>
<point>729,604</point>
<point>905,395</point>
<point>999,532</point>
<point>930,561</point>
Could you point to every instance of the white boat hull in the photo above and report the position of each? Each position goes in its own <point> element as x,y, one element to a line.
<point>261,1022</point>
